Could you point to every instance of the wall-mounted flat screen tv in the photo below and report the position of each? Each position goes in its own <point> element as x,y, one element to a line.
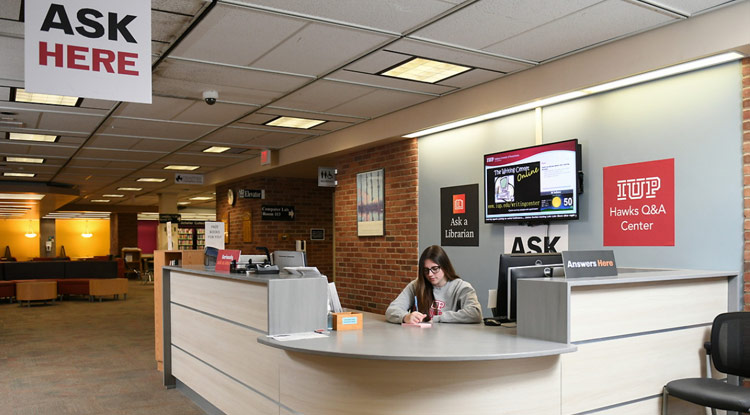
<point>539,183</point>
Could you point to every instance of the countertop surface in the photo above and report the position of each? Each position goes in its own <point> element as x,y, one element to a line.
<point>640,275</point>
<point>241,276</point>
<point>381,340</point>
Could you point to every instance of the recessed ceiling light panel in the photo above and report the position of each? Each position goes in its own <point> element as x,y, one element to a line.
<point>425,70</point>
<point>180,167</point>
<point>36,98</point>
<point>150,179</point>
<point>216,149</point>
<point>35,160</point>
<point>130,189</point>
<point>7,174</point>
<point>293,122</point>
<point>113,195</point>
<point>201,198</point>
<point>33,137</point>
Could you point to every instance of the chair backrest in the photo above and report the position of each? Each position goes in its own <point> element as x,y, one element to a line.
<point>730,343</point>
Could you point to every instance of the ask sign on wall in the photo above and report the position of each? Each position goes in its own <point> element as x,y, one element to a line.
<point>89,48</point>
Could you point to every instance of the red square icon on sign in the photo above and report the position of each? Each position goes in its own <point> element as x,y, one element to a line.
<point>459,203</point>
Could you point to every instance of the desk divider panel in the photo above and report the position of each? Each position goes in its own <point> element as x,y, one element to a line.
<point>297,305</point>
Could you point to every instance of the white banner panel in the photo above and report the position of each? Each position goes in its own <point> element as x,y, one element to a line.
<point>89,48</point>
<point>535,239</point>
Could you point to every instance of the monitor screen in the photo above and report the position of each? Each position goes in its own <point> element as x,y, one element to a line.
<point>530,271</point>
<point>512,261</point>
<point>539,183</point>
<point>288,259</point>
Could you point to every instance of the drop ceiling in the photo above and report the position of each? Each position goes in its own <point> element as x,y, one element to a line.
<point>269,58</point>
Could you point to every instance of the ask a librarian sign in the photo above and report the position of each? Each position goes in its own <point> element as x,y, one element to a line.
<point>89,48</point>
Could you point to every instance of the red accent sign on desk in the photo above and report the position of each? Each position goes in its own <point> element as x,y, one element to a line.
<point>225,257</point>
<point>639,204</point>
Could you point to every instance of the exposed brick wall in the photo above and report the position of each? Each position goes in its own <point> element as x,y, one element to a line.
<point>313,207</point>
<point>746,158</point>
<point>372,270</point>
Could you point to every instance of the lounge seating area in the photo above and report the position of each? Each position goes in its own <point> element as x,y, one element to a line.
<point>50,280</point>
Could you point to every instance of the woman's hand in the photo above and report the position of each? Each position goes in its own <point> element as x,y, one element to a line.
<point>414,317</point>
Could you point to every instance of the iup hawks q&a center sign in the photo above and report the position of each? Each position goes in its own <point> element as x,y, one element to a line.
<point>89,48</point>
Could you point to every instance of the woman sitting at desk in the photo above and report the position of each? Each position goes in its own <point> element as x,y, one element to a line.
<point>438,294</point>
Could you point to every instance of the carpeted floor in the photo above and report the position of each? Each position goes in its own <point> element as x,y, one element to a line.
<point>77,357</point>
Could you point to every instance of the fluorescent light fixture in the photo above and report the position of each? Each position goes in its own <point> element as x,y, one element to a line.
<point>215,149</point>
<point>23,96</point>
<point>665,72</point>
<point>201,198</point>
<point>99,200</point>
<point>649,76</point>
<point>130,189</point>
<point>150,179</point>
<point>87,233</point>
<point>425,70</point>
<point>113,195</point>
<point>183,203</point>
<point>33,137</point>
<point>180,167</point>
<point>12,159</point>
<point>293,122</point>
<point>20,196</point>
<point>6,174</point>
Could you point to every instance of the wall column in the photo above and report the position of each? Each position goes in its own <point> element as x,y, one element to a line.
<point>167,205</point>
<point>123,232</point>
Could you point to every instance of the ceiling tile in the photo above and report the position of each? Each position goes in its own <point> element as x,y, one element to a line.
<point>388,82</point>
<point>302,52</point>
<point>691,7</point>
<point>323,95</point>
<point>10,9</point>
<point>154,128</point>
<point>190,79</point>
<point>388,15</point>
<point>445,54</point>
<point>218,113</point>
<point>190,7</point>
<point>166,27</point>
<point>487,22</point>
<point>69,122</point>
<point>379,103</point>
<point>234,135</point>
<point>11,65</point>
<point>600,23</point>
<point>244,35</point>
<point>162,108</point>
<point>277,140</point>
<point>472,78</point>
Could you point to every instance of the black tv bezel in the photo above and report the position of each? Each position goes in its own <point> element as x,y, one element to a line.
<point>537,219</point>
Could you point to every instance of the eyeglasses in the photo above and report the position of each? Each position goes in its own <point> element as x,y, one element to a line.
<point>434,270</point>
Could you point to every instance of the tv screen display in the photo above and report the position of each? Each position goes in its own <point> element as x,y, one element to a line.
<point>537,183</point>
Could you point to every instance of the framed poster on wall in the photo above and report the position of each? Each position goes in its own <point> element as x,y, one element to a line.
<point>371,203</point>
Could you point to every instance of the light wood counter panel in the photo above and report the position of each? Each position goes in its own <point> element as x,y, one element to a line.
<point>228,347</point>
<point>605,373</point>
<point>318,385</point>
<point>644,307</point>
<point>162,258</point>
<point>243,302</point>
<point>222,391</point>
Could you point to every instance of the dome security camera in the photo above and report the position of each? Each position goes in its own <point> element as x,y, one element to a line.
<point>210,97</point>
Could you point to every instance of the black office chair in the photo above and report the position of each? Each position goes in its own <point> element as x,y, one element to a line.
<point>729,349</point>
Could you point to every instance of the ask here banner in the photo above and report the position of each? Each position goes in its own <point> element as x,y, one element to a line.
<point>639,204</point>
<point>89,48</point>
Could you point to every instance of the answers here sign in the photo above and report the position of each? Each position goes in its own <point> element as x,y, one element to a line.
<point>89,48</point>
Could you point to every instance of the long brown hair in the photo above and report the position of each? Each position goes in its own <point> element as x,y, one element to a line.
<point>423,287</point>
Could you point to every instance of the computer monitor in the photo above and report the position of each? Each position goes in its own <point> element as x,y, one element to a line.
<point>517,260</point>
<point>288,259</point>
<point>530,271</point>
<point>210,255</point>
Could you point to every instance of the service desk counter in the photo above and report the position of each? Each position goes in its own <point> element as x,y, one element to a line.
<point>216,326</point>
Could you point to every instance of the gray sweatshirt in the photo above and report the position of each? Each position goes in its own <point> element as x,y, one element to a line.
<point>455,302</point>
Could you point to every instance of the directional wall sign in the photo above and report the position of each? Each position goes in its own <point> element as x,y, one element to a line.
<point>184,178</point>
<point>275,212</point>
<point>252,194</point>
